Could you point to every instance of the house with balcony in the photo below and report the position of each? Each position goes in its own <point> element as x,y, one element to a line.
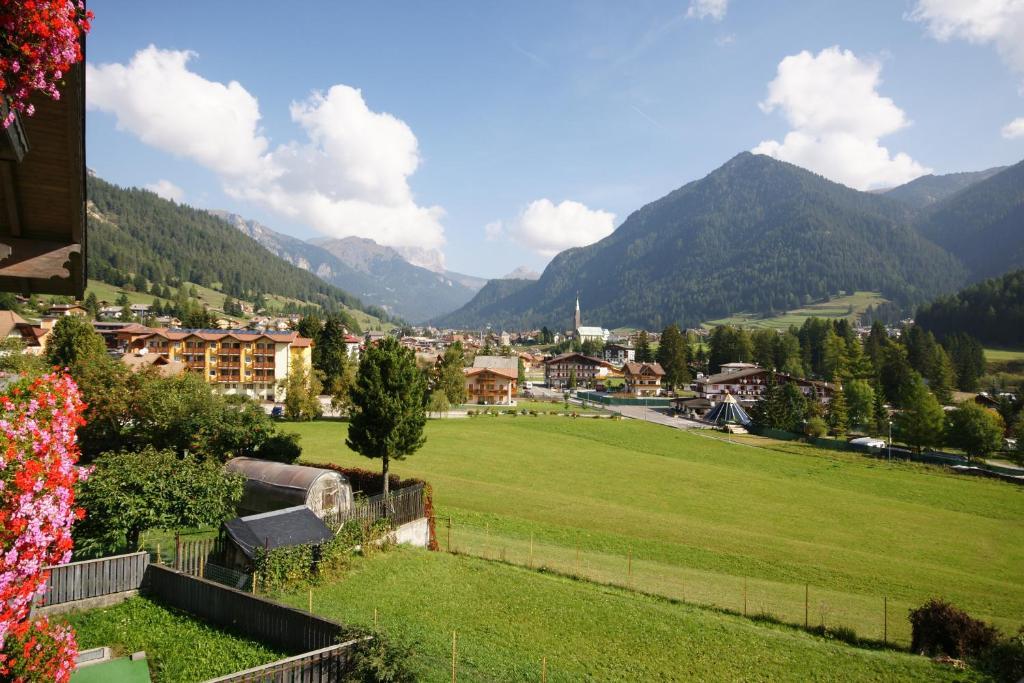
<point>490,386</point>
<point>642,379</point>
<point>748,384</point>
<point>245,362</point>
<point>587,370</point>
<point>619,354</point>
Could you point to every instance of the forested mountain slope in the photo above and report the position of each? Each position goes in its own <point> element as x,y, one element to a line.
<point>929,189</point>
<point>133,231</point>
<point>755,235</point>
<point>992,311</point>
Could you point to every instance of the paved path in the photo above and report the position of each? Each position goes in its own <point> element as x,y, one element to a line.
<point>660,416</point>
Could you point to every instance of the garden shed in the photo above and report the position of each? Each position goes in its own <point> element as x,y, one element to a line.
<point>277,529</point>
<point>275,485</point>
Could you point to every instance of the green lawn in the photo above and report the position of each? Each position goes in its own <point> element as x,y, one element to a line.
<point>849,306</point>
<point>508,618</point>
<point>179,648</point>
<point>682,515</point>
<point>1003,356</point>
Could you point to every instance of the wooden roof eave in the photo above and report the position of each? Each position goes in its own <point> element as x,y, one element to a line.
<point>42,195</point>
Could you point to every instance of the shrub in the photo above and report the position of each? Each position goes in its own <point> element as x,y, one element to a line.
<point>815,428</point>
<point>379,660</point>
<point>1004,661</point>
<point>939,628</point>
<point>281,448</point>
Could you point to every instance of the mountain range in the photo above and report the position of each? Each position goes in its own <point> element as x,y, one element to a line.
<point>764,236</point>
<point>377,274</point>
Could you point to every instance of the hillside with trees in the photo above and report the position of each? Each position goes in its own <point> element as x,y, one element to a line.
<point>992,311</point>
<point>756,235</point>
<point>929,189</point>
<point>136,235</point>
<point>982,225</point>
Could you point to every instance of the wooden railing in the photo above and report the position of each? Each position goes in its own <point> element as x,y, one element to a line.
<point>320,666</point>
<point>401,507</point>
<point>94,578</point>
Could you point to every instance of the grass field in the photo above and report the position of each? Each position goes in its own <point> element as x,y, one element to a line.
<point>508,618</point>
<point>849,306</point>
<point>682,515</point>
<point>178,647</point>
<point>1004,356</point>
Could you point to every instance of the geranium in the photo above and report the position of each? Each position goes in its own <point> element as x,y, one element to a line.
<point>38,472</point>
<point>39,43</point>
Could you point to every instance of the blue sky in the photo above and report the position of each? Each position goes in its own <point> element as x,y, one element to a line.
<point>499,133</point>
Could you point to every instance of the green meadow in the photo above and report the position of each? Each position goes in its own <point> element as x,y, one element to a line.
<point>848,306</point>
<point>829,538</point>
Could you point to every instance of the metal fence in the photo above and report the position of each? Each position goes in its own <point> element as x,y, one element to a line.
<point>401,507</point>
<point>325,665</point>
<point>94,578</point>
<point>264,620</point>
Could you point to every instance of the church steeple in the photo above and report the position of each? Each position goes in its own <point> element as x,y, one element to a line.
<point>577,321</point>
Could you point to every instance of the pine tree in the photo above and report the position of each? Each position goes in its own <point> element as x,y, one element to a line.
<point>837,415</point>
<point>643,348</point>
<point>389,405</point>
<point>879,413</point>
<point>941,375</point>
<point>92,305</point>
<point>674,357</point>
<point>521,377</point>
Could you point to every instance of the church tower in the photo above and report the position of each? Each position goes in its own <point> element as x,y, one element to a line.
<point>577,322</point>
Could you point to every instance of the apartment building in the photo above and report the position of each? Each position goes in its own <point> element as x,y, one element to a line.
<point>253,363</point>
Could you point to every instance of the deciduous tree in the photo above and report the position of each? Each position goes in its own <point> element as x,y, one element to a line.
<point>975,430</point>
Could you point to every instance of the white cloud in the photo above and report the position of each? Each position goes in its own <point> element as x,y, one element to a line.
<point>348,175</point>
<point>549,228</point>
<point>838,118</point>
<point>1014,129</point>
<point>999,22</point>
<point>701,9</point>
<point>494,230</point>
<point>166,189</point>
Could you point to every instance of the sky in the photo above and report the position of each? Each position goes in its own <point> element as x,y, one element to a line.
<point>485,136</point>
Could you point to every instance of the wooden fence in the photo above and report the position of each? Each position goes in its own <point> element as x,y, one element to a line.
<point>94,578</point>
<point>401,507</point>
<point>325,665</point>
<point>264,620</point>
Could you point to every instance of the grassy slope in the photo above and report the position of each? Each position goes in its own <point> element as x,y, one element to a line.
<point>698,515</point>
<point>179,648</point>
<point>508,618</point>
<point>836,308</point>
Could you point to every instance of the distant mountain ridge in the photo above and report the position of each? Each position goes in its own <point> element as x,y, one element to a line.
<point>755,235</point>
<point>377,274</point>
<point>930,189</point>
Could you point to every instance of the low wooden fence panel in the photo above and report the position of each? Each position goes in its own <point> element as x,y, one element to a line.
<point>401,507</point>
<point>325,665</point>
<point>271,622</point>
<point>94,578</point>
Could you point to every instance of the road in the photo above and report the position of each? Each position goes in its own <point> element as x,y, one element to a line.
<point>660,416</point>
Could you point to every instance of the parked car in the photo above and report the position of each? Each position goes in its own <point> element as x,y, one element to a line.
<point>277,412</point>
<point>600,387</point>
<point>868,441</point>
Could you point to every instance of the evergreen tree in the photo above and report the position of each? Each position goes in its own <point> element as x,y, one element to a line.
<point>388,400</point>
<point>922,421</point>
<point>140,284</point>
<point>674,357</point>
<point>729,344</point>
<point>794,407</point>
<point>643,348</point>
<point>837,415</point>
<point>448,375</point>
<point>521,376</point>
<point>941,375</point>
<point>309,326</point>
<point>879,413</point>
<point>897,377</point>
<point>330,354</point>
<point>572,378</point>
<point>968,359</point>
<point>92,305</point>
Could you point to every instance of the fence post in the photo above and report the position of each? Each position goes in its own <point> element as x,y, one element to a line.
<point>177,550</point>
<point>531,550</point>
<point>454,639</point>
<point>885,620</point>
<point>310,600</point>
<point>449,534</point>
<point>543,670</point>
<point>744,596</point>
<point>807,591</point>
<point>629,569</point>
<point>158,560</point>
<point>577,558</point>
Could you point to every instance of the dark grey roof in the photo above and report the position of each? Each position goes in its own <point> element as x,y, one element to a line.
<point>277,529</point>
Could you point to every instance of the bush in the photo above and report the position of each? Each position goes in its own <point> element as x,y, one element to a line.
<point>379,661</point>
<point>1004,661</point>
<point>281,448</point>
<point>815,428</point>
<point>939,628</point>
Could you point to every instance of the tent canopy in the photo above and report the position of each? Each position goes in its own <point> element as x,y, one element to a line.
<point>728,411</point>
